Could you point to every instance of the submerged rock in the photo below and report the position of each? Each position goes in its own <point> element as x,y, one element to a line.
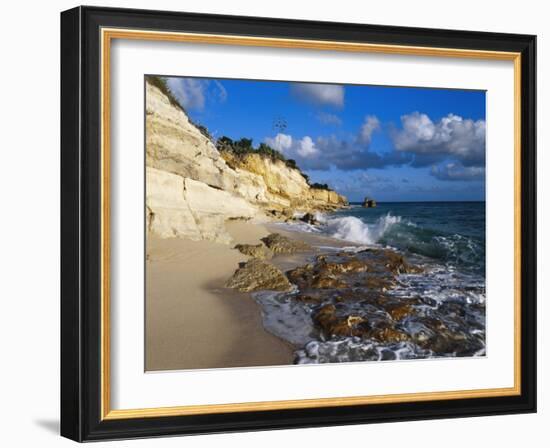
<point>371,305</point>
<point>256,275</point>
<point>324,281</point>
<point>280,244</point>
<point>259,251</point>
<point>399,310</point>
<point>332,324</point>
<point>396,263</point>
<point>387,333</point>
<point>310,218</point>
<point>375,270</point>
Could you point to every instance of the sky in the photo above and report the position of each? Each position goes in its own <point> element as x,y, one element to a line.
<point>387,143</point>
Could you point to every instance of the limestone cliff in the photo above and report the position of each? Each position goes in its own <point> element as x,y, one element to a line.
<point>191,189</point>
<point>286,187</point>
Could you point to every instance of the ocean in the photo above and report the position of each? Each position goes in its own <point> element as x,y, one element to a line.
<point>446,300</point>
<point>451,233</point>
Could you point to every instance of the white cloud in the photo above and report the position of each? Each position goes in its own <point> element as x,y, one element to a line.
<point>192,93</point>
<point>452,136</point>
<point>222,93</point>
<point>306,147</point>
<point>281,142</point>
<point>330,119</point>
<point>326,152</point>
<point>293,148</point>
<point>370,124</point>
<point>456,171</point>
<point>322,94</point>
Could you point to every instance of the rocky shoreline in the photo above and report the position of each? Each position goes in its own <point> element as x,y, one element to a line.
<point>358,298</point>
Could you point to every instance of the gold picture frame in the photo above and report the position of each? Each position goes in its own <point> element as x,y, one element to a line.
<point>106,31</point>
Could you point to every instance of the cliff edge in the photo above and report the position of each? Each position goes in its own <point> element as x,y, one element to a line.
<point>192,188</point>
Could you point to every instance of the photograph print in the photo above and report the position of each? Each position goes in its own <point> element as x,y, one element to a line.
<point>292,223</point>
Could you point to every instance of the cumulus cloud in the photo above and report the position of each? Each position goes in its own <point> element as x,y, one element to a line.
<point>451,137</point>
<point>370,124</point>
<point>281,142</point>
<point>453,146</point>
<point>321,94</point>
<point>306,147</point>
<point>455,171</point>
<point>192,93</point>
<point>330,119</point>
<point>303,148</point>
<point>363,183</point>
<point>324,153</point>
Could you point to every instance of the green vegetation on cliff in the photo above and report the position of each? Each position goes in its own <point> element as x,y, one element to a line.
<point>319,186</point>
<point>244,146</point>
<point>160,83</point>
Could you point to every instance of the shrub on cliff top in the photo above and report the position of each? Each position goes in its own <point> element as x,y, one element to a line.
<point>203,130</point>
<point>320,186</point>
<point>244,146</point>
<point>160,83</point>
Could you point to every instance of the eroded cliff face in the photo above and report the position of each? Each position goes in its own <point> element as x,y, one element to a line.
<point>191,189</point>
<point>285,187</point>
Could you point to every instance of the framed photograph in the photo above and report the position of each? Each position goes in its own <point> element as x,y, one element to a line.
<point>276,224</point>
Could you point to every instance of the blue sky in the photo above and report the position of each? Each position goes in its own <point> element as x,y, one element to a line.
<point>390,143</point>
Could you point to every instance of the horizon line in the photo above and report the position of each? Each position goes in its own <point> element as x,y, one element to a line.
<point>390,202</point>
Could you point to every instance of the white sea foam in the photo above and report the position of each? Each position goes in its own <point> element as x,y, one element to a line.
<point>354,349</point>
<point>354,230</point>
<point>285,317</point>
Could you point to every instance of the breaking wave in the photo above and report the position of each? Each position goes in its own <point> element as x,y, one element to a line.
<point>354,230</point>
<point>403,234</point>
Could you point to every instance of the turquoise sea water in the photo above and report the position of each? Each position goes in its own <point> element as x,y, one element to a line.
<point>451,233</point>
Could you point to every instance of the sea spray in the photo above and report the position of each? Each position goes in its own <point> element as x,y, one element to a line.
<point>451,233</point>
<point>353,229</point>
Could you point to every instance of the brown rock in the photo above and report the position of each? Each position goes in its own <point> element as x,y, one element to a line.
<point>324,281</point>
<point>378,282</point>
<point>369,203</point>
<point>386,333</point>
<point>333,325</point>
<point>301,276</point>
<point>400,311</point>
<point>397,264</point>
<point>308,298</point>
<point>256,275</point>
<point>280,244</point>
<point>310,219</point>
<point>259,251</point>
<point>349,266</point>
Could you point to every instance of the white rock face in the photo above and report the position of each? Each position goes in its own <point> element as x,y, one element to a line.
<point>182,207</point>
<point>175,145</point>
<point>167,212</point>
<point>191,189</point>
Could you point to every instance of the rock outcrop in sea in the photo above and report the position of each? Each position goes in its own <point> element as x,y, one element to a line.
<point>369,203</point>
<point>192,189</point>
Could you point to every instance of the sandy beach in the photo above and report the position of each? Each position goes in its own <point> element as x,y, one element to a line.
<point>192,320</point>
